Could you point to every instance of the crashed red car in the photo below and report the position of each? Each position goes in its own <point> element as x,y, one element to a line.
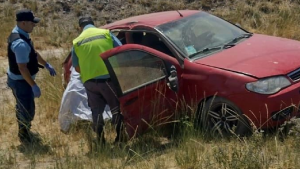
<point>191,59</point>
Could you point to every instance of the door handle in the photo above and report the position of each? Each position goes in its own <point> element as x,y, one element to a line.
<point>130,101</point>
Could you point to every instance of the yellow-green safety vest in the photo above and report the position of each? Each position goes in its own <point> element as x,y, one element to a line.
<point>88,46</point>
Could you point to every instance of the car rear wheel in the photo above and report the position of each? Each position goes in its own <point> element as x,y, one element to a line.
<point>220,117</point>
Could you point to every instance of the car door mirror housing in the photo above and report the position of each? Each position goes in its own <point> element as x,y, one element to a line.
<point>172,79</point>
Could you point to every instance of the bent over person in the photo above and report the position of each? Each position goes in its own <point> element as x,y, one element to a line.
<point>23,67</point>
<point>95,77</point>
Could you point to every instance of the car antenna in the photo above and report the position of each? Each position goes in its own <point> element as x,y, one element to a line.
<point>179,13</point>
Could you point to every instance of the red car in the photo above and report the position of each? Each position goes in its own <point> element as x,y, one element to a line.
<point>177,61</point>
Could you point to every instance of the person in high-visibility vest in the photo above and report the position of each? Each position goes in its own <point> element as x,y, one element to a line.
<point>95,77</point>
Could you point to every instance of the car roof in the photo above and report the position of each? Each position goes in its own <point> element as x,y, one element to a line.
<point>152,19</point>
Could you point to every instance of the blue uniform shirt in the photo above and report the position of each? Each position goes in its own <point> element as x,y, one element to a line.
<point>116,43</point>
<point>21,50</point>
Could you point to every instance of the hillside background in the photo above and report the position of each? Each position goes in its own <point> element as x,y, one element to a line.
<point>189,150</point>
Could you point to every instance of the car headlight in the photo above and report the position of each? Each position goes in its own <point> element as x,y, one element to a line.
<point>268,85</point>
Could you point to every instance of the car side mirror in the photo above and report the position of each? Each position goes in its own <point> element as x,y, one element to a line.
<point>172,79</point>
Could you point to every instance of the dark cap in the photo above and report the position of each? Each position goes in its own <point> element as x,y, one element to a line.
<point>83,21</point>
<point>26,15</point>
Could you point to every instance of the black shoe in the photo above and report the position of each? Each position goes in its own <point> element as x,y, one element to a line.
<point>118,139</point>
<point>120,133</point>
<point>35,137</point>
<point>100,139</point>
<point>27,136</point>
<point>24,136</point>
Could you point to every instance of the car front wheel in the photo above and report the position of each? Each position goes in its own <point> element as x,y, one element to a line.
<point>221,117</point>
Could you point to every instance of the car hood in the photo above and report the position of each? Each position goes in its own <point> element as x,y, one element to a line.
<point>259,56</point>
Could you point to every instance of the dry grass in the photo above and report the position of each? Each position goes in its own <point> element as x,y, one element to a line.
<point>188,148</point>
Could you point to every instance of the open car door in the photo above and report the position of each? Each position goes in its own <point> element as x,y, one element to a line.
<point>147,83</point>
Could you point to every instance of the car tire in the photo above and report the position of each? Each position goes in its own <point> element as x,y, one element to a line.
<point>220,117</point>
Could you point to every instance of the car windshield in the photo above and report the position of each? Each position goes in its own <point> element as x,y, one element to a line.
<point>201,34</point>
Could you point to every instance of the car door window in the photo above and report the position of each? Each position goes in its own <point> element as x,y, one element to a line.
<point>150,40</point>
<point>134,69</point>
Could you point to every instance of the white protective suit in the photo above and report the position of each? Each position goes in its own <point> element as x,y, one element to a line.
<point>74,106</point>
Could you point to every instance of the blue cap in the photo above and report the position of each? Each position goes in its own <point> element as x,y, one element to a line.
<point>26,15</point>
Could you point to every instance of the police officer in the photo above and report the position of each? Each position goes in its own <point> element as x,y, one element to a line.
<point>23,66</point>
<point>94,74</point>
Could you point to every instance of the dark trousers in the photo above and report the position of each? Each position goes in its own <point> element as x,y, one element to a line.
<point>101,92</point>
<point>25,107</point>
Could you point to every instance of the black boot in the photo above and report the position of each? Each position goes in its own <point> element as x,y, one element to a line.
<point>100,135</point>
<point>24,135</point>
<point>119,128</point>
<point>101,139</point>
